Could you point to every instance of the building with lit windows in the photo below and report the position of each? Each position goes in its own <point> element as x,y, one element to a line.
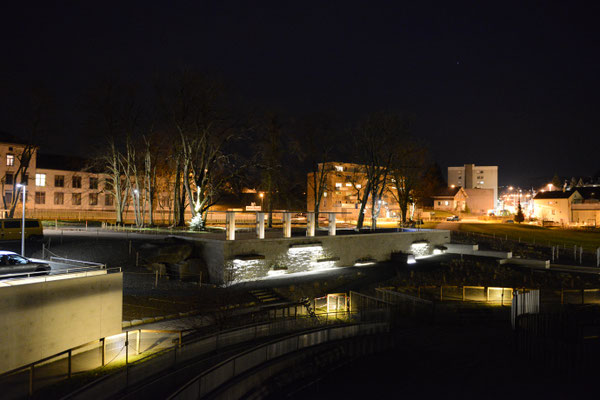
<point>343,188</point>
<point>471,176</point>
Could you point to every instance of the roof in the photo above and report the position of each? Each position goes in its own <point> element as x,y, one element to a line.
<point>555,194</point>
<point>589,192</point>
<point>448,192</point>
<point>68,163</point>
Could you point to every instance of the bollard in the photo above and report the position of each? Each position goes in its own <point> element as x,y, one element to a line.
<point>43,252</point>
<point>552,253</point>
<point>598,257</point>
<point>580,254</point>
<point>557,247</point>
<point>156,279</point>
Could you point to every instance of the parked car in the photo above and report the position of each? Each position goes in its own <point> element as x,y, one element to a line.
<point>453,218</point>
<point>10,229</point>
<point>13,263</point>
<point>509,221</point>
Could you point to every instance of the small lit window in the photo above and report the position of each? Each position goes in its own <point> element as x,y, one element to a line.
<point>338,185</point>
<point>349,184</point>
<point>339,168</point>
<point>481,182</point>
<point>10,160</point>
<point>358,186</point>
<point>40,180</point>
<point>324,194</point>
<point>447,203</point>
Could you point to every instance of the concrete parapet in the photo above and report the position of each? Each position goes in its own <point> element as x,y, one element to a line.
<point>526,262</point>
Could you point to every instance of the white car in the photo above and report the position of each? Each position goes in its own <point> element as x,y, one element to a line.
<point>12,263</point>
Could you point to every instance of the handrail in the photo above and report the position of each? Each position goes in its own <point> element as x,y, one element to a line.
<point>95,264</point>
<point>46,276</point>
<point>174,347</point>
<point>264,345</point>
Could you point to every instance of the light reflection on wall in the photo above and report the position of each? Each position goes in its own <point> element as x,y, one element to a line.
<point>420,249</point>
<point>299,258</point>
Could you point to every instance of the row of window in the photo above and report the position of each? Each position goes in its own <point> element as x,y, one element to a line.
<point>59,181</point>
<point>59,198</point>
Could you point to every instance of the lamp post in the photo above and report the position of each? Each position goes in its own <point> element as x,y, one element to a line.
<point>137,207</point>
<point>262,195</point>
<point>20,185</point>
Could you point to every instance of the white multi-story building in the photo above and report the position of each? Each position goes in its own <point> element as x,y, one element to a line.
<point>471,176</point>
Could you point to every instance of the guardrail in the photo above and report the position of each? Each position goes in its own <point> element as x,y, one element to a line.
<point>181,355</point>
<point>36,277</point>
<point>220,374</point>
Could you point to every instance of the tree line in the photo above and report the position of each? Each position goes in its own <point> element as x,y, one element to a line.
<point>184,141</point>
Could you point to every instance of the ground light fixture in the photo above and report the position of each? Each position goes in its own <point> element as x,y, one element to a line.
<point>24,187</point>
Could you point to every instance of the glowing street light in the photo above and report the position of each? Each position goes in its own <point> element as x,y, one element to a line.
<point>261,195</point>
<point>24,187</point>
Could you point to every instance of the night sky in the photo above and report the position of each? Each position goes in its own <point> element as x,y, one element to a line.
<point>491,83</point>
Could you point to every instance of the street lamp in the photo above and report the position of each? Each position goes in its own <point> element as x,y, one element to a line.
<point>20,185</point>
<point>261,195</point>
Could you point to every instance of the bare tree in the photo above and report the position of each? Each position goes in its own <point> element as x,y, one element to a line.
<point>407,172</point>
<point>373,142</point>
<point>315,144</point>
<point>192,105</point>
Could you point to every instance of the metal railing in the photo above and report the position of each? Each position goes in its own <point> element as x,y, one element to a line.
<point>220,374</point>
<point>183,354</point>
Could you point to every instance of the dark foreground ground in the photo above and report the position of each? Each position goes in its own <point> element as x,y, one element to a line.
<point>476,362</point>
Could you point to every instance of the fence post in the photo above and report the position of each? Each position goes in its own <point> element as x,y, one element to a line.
<point>137,344</point>
<point>126,348</point>
<point>69,363</point>
<point>580,254</point>
<point>103,351</point>
<point>598,257</point>
<point>31,380</point>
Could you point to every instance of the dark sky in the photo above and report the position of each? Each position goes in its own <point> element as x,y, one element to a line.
<point>493,83</point>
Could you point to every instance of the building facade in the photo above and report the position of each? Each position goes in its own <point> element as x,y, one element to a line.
<point>471,176</point>
<point>343,189</point>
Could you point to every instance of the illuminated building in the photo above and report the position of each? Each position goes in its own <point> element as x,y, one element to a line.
<point>471,176</point>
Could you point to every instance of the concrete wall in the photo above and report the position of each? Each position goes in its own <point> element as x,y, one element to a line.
<point>236,260</point>
<point>40,319</point>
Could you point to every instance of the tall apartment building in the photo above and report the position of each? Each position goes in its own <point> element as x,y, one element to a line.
<point>471,176</point>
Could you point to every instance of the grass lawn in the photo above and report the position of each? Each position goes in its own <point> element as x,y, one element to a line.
<point>590,240</point>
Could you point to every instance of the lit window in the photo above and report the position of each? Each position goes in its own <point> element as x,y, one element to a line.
<point>447,203</point>
<point>10,160</point>
<point>339,168</point>
<point>358,186</point>
<point>40,180</point>
<point>338,185</point>
<point>481,182</point>
<point>324,194</point>
<point>348,184</point>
